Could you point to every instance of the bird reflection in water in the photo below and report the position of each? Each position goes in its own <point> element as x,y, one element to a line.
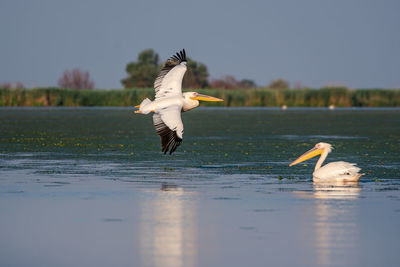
<point>167,228</point>
<point>336,190</point>
<point>334,229</point>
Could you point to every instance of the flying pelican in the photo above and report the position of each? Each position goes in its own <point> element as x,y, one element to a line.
<point>334,171</point>
<point>169,102</point>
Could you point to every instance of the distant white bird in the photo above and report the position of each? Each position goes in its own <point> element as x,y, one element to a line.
<point>334,171</point>
<point>169,102</point>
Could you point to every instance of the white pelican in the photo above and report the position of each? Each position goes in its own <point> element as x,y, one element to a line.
<point>169,102</point>
<point>331,172</point>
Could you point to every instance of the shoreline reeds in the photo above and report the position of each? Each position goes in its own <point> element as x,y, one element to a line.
<point>264,97</point>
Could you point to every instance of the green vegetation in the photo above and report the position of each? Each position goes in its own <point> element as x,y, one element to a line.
<point>279,84</point>
<point>339,97</point>
<point>143,72</point>
<point>196,75</point>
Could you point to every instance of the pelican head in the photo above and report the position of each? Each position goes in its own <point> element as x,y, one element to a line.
<point>191,100</point>
<point>197,96</point>
<point>315,151</point>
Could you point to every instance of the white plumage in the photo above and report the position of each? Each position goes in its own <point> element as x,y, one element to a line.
<point>169,102</point>
<point>334,171</point>
<point>338,171</point>
<point>169,81</point>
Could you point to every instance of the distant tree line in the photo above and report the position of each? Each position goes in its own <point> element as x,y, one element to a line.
<point>76,79</point>
<point>8,85</point>
<point>143,72</point>
<point>71,79</point>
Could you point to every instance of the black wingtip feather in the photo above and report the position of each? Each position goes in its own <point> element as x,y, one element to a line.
<point>179,56</point>
<point>170,64</point>
<point>183,54</point>
<point>175,145</point>
<point>169,139</point>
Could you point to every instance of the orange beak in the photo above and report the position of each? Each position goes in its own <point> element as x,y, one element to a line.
<point>206,98</point>
<point>308,155</point>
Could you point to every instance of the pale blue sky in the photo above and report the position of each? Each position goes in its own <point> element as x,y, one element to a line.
<point>314,42</point>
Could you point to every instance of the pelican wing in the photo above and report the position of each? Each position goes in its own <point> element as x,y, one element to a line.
<point>169,126</point>
<point>169,80</point>
<point>337,170</point>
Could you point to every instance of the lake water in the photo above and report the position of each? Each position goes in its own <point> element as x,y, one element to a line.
<point>90,187</point>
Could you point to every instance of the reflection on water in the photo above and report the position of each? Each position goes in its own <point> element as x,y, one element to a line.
<point>336,190</point>
<point>335,228</point>
<point>167,228</point>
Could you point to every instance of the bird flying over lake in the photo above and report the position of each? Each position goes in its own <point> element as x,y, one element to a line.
<point>334,171</point>
<point>170,102</point>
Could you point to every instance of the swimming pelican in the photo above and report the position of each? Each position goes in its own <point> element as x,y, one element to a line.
<point>169,102</point>
<point>334,171</point>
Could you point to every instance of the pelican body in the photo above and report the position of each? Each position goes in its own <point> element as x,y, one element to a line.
<point>339,171</point>
<point>170,102</point>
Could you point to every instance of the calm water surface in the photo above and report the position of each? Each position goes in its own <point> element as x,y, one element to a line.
<point>90,187</point>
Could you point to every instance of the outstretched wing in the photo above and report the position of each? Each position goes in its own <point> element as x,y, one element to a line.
<point>169,126</point>
<point>169,80</point>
